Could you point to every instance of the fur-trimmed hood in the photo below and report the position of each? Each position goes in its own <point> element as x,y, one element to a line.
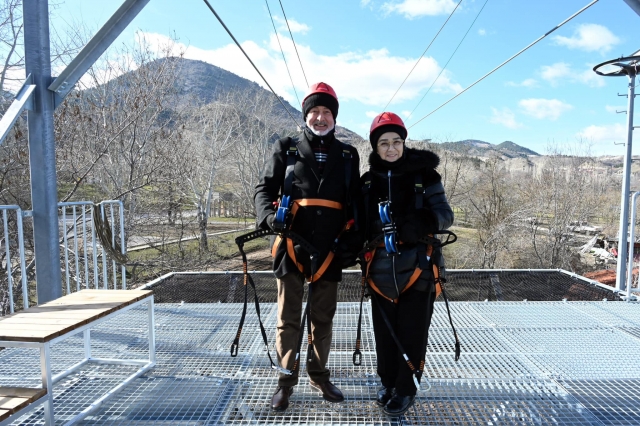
<point>412,160</point>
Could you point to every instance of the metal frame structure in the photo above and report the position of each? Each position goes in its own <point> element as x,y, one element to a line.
<point>21,254</point>
<point>627,66</point>
<point>40,95</point>
<point>79,243</point>
<point>48,379</point>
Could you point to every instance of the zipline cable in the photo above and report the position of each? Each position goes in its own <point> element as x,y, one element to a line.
<point>510,59</point>
<point>449,60</point>
<point>421,56</point>
<point>282,51</point>
<point>249,59</point>
<point>294,43</point>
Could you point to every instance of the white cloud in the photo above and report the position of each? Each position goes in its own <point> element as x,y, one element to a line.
<point>506,117</point>
<point>412,9</point>
<point>555,72</point>
<point>296,27</point>
<point>590,78</point>
<point>541,109</point>
<point>371,114</point>
<point>614,109</point>
<point>406,114</point>
<point>590,38</point>
<point>352,74</point>
<point>607,133</point>
<point>560,71</point>
<point>529,82</point>
<point>363,3</point>
<point>482,32</point>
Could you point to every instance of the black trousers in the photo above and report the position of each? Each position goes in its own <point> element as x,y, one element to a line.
<point>410,318</point>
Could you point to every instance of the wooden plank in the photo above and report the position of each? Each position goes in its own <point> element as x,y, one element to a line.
<point>13,400</point>
<point>39,324</point>
<point>31,393</point>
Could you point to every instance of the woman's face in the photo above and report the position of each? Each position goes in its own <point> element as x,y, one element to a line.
<point>390,146</point>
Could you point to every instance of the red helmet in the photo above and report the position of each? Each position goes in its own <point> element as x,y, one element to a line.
<point>387,119</point>
<point>320,88</point>
<point>320,94</point>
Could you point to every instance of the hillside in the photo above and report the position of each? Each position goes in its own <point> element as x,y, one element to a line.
<point>477,148</point>
<point>207,83</point>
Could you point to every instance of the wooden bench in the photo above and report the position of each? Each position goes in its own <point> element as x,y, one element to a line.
<point>44,325</point>
<point>13,401</point>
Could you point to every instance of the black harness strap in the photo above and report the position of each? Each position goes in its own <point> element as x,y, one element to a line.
<point>292,157</point>
<point>414,371</point>
<point>313,253</point>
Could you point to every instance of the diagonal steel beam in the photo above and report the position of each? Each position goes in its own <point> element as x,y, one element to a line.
<point>22,101</point>
<point>95,48</point>
<point>634,4</point>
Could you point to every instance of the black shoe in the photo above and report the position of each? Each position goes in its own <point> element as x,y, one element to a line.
<point>398,404</point>
<point>329,391</point>
<point>384,395</point>
<point>280,399</point>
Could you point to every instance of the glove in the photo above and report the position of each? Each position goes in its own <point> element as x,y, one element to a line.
<point>269,222</point>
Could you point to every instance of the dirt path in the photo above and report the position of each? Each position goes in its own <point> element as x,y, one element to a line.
<point>258,260</point>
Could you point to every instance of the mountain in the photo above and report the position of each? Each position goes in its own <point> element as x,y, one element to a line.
<point>478,148</point>
<point>206,82</point>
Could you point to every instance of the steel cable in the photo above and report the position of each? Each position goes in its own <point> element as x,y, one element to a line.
<point>510,59</point>
<point>250,61</point>
<point>282,51</point>
<point>421,56</point>
<point>294,43</point>
<point>449,60</point>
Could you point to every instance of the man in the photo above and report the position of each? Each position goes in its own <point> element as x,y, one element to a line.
<point>324,186</point>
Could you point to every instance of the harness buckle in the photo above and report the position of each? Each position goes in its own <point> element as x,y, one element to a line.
<point>357,357</point>
<point>282,214</point>
<point>416,382</point>
<point>282,370</point>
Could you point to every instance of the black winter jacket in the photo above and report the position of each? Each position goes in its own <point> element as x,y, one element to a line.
<point>412,224</point>
<point>318,225</point>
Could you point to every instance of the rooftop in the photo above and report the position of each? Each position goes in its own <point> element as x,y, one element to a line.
<point>541,361</point>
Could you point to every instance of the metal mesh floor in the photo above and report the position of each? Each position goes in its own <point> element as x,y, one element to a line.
<point>523,363</point>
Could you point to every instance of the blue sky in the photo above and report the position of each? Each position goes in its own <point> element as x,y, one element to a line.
<point>365,49</point>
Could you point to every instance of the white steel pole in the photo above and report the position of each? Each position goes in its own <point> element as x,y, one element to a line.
<point>624,198</point>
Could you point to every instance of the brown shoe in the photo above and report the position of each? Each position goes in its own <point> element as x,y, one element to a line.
<point>280,399</point>
<point>329,391</point>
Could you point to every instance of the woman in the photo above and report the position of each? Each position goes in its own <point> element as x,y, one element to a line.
<point>404,203</point>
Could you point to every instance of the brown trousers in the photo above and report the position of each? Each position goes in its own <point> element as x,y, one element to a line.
<point>324,296</point>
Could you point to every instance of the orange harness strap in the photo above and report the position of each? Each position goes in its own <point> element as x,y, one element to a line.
<point>309,202</point>
<point>412,280</point>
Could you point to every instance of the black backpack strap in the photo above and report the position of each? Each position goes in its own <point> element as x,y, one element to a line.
<point>419,189</point>
<point>292,157</point>
<point>366,188</point>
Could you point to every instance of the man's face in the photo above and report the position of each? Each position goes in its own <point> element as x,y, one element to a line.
<point>320,120</point>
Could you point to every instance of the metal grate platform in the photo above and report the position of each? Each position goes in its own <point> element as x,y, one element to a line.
<point>523,363</point>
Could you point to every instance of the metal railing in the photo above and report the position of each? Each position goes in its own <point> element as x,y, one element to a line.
<point>14,257</point>
<point>80,241</point>
<point>85,263</point>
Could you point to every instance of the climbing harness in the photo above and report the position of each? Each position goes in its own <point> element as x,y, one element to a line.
<point>313,255</point>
